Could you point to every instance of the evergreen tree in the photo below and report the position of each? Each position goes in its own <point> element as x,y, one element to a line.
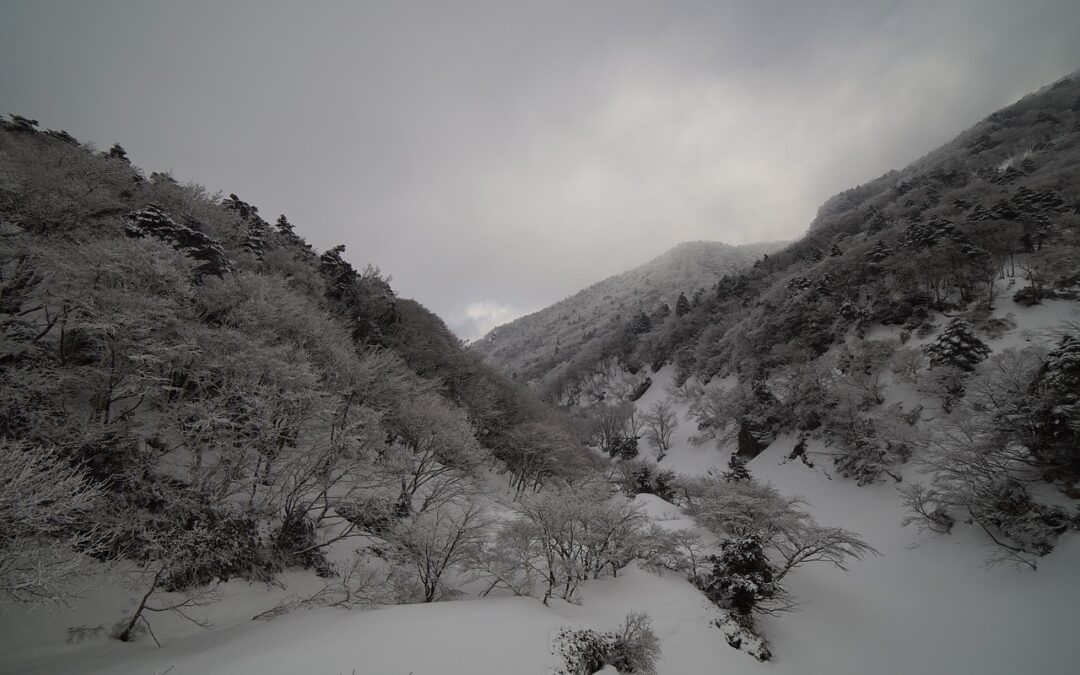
<point>117,152</point>
<point>641,323</point>
<point>284,226</point>
<point>1058,428</point>
<point>154,222</point>
<point>825,284</point>
<point>19,124</point>
<point>880,253</point>
<point>835,251</point>
<point>340,275</point>
<point>682,306</point>
<point>737,470</point>
<point>741,577</point>
<point>664,485</point>
<point>625,447</point>
<point>643,481</point>
<point>255,239</point>
<point>957,346</point>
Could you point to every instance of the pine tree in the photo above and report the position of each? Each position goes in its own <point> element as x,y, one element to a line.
<point>154,222</point>
<point>339,274</point>
<point>625,447</point>
<point>741,577</point>
<point>641,323</point>
<point>117,152</point>
<point>880,253</point>
<point>957,346</point>
<point>682,306</point>
<point>835,251</point>
<point>255,239</point>
<point>664,485</point>
<point>1058,429</point>
<point>643,481</point>
<point>19,124</point>
<point>737,470</point>
<point>284,226</point>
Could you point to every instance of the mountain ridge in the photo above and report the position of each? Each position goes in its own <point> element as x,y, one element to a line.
<point>693,266</point>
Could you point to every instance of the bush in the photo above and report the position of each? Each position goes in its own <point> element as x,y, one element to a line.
<point>633,648</point>
<point>741,579</point>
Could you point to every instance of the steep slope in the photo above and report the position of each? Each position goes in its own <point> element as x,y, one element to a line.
<point>214,398</point>
<point>573,332</point>
<point>995,211</point>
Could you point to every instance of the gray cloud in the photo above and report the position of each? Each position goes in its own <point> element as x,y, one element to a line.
<point>495,157</point>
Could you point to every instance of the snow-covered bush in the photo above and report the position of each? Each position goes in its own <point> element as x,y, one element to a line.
<point>741,578</point>
<point>563,537</point>
<point>957,346</point>
<point>632,649</point>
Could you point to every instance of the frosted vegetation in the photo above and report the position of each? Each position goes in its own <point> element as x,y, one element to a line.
<point>204,421</point>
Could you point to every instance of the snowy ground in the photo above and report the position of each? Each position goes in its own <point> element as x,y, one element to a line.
<point>927,605</point>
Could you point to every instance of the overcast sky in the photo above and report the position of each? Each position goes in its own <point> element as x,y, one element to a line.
<point>496,157</point>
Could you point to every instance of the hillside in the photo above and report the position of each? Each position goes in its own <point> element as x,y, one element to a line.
<point>995,212</point>
<point>224,451</point>
<point>574,334</point>
<point>192,391</point>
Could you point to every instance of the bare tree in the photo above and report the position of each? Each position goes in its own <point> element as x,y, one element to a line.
<point>437,540</point>
<point>660,423</point>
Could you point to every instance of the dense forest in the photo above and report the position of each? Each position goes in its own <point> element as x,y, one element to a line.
<point>186,385</point>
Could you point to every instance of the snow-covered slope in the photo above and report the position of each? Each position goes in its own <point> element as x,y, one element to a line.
<point>926,605</point>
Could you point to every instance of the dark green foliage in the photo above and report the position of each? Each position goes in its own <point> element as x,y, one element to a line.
<point>682,306</point>
<point>624,447</point>
<point>737,470</point>
<point>1057,440</point>
<point>880,253</point>
<point>340,275</point>
<point>957,346</point>
<point>117,152</point>
<point>643,481</point>
<point>152,221</point>
<point>741,578</point>
<point>19,124</point>
<point>663,485</point>
<point>641,323</point>
<point>1031,526</point>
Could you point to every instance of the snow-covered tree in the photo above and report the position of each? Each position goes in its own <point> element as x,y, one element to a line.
<point>46,524</point>
<point>880,253</point>
<point>957,346</point>
<point>1058,427</point>
<point>660,423</point>
<point>682,306</point>
<point>437,541</point>
<point>741,578</point>
<point>736,470</point>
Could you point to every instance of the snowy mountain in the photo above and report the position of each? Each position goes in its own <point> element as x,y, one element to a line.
<point>224,452</point>
<point>573,334</point>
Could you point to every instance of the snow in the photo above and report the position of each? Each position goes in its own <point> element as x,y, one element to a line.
<point>926,605</point>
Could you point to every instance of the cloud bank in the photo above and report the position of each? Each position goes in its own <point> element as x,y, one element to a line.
<point>494,156</point>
